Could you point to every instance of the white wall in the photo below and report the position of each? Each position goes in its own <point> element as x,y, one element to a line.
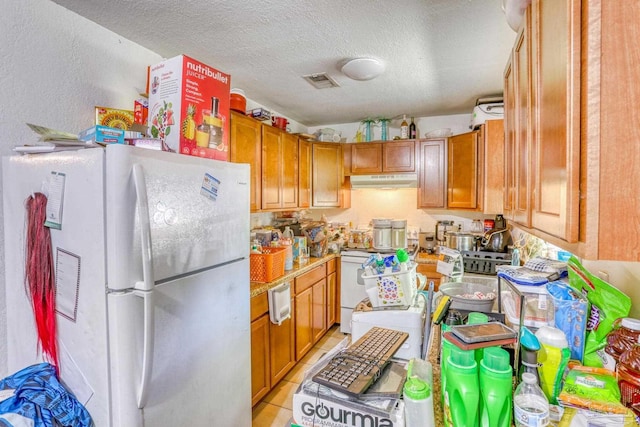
<point>55,68</point>
<point>399,203</point>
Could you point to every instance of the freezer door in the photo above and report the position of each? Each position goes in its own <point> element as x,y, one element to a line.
<point>197,210</point>
<point>79,265</point>
<point>201,372</point>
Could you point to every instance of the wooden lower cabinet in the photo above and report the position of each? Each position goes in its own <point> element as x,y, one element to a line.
<point>272,349</point>
<point>260,370</point>
<point>319,310</point>
<point>332,293</point>
<point>275,349</point>
<point>310,309</point>
<point>429,270</point>
<point>282,348</point>
<point>304,315</point>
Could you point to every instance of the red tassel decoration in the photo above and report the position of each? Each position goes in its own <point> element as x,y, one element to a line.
<point>39,276</point>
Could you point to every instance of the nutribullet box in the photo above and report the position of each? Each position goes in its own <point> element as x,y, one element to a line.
<point>189,107</point>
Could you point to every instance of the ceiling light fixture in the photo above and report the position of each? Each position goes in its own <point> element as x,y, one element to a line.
<point>363,68</point>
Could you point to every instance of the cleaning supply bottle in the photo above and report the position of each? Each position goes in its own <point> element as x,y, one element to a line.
<point>462,394</point>
<point>287,242</point>
<point>553,357</point>
<point>403,259</point>
<point>529,346</point>
<point>495,388</point>
<point>530,406</point>
<point>418,395</point>
<point>453,318</point>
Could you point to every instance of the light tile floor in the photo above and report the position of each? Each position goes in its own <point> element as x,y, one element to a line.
<point>276,410</point>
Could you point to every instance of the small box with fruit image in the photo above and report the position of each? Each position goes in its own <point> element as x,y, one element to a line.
<point>189,107</point>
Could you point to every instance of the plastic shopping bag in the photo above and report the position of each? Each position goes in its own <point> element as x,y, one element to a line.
<point>34,397</point>
<point>606,305</point>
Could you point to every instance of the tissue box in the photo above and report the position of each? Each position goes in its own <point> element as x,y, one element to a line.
<point>182,107</point>
<point>102,134</point>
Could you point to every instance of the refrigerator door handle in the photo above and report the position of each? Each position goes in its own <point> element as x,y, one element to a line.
<point>144,289</point>
<point>145,228</point>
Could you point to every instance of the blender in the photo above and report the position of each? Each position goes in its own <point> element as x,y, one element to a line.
<point>382,234</point>
<point>399,234</point>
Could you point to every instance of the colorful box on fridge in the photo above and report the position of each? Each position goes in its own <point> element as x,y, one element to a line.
<point>189,107</point>
<point>102,134</point>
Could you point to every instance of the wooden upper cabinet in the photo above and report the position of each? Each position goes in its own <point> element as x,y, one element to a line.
<point>290,171</point>
<point>610,206</point>
<point>491,147</point>
<point>523,131</point>
<point>327,175</point>
<point>399,156</point>
<point>509,140</point>
<point>304,173</point>
<point>582,90</point>
<point>279,169</point>
<point>432,175</point>
<point>246,147</point>
<point>366,158</point>
<point>462,171</point>
<point>381,157</point>
<point>555,66</point>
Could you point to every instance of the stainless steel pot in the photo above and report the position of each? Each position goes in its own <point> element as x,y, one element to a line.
<point>460,241</point>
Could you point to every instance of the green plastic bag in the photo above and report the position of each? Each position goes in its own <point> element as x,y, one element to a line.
<point>607,304</point>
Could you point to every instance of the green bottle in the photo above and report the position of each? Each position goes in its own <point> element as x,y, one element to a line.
<point>496,388</point>
<point>462,392</point>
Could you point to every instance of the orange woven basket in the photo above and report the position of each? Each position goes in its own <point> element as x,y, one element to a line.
<point>267,266</point>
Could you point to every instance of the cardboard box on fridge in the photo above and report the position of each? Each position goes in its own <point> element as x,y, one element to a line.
<point>183,96</point>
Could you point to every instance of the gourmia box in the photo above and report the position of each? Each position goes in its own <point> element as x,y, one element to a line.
<point>189,107</point>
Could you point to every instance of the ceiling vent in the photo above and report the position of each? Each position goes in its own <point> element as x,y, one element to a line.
<point>321,80</point>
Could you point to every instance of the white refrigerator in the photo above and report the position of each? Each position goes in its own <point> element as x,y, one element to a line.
<point>151,263</point>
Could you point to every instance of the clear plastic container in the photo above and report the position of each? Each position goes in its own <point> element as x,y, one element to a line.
<point>418,394</point>
<point>621,339</point>
<point>530,406</point>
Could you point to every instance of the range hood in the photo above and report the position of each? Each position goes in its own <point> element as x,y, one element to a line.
<point>403,180</point>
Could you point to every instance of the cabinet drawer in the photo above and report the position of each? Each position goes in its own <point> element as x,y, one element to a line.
<point>307,279</point>
<point>259,305</point>
<point>331,266</point>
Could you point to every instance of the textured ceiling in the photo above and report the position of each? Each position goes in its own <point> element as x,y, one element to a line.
<point>440,55</point>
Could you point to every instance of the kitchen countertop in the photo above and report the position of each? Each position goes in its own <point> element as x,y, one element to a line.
<point>426,258</point>
<point>257,288</point>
